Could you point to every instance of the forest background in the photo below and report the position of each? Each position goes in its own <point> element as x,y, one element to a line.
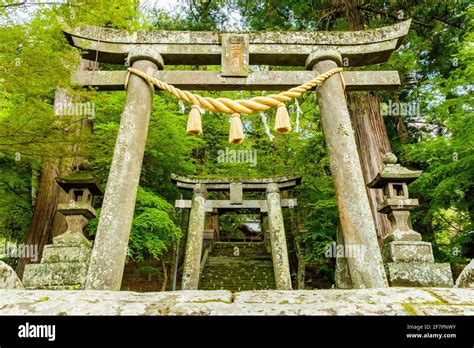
<point>436,67</point>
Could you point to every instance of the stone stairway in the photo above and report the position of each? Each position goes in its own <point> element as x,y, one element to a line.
<point>238,266</point>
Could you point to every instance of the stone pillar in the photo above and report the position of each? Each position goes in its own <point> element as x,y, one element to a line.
<point>192,259</point>
<point>281,264</point>
<point>354,209</point>
<point>111,242</point>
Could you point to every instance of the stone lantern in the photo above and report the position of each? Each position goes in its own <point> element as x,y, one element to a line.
<point>81,187</point>
<point>408,260</point>
<point>65,263</point>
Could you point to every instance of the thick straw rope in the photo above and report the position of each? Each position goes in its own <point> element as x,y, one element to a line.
<point>229,106</point>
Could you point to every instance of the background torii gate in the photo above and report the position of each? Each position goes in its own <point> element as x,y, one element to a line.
<point>272,205</point>
<point>318,52</point>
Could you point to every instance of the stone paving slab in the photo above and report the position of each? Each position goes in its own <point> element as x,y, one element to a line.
<point>453,295</point>
<point>386,301</point>
<point>443,310</point>
<point>382,295</point>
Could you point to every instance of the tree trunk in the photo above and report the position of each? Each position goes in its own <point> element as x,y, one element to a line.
<point>372,144</point>
<point>370,132</point>
<point>165,274</point>
<point>45,222</point>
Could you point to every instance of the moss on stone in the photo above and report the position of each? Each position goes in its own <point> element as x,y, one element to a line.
<point>43,299</point>
<point>409,308</point>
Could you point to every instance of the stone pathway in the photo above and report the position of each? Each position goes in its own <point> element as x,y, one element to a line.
<point>238,266</point>
<point>385,301</point>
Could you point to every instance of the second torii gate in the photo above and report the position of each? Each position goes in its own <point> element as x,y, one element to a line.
<point>318,52</point>
<point>272,206</point>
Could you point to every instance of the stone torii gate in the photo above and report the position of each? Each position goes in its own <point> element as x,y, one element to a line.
<point>272,205</point>
<point>317,52</point>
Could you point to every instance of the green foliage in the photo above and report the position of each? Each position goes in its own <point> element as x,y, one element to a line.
<point>15,201</point>
<point>149,271</point>
<point>153,228</point>
<point>435,63</point>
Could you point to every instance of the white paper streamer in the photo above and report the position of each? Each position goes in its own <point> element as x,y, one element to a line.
<point>267,128</point>
<point>298,113</point>
<point>182,107</point>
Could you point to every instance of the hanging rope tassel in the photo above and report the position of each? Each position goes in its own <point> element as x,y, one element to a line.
<point>236,135</point>
<point>282,120</point>
<point>194,121</point>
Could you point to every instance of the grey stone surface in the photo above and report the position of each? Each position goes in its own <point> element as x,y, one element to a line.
<point>382,295</point>
<point>281,266</point>
<point>194,241</point>
<point>53,253</point>
<point>466,278</point>
<point>384,301</point>
<point>8,277</point>
<point>443,310</point>
<point>454,295</point>
<point>67,275</point>
<point>354,209</point>
<point>110,246</point>
<point>204,48</point>
<point>256,81</point>
<point>419,274</point>
<point>407,251</point>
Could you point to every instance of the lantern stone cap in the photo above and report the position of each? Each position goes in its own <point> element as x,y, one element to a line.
<point>80,180</point>
<point>393,172</point>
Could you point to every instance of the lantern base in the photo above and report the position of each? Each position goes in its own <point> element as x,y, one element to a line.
<point>63,267</point>
<point>411,263</point>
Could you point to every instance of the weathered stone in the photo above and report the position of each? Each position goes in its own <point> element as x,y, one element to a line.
<point>192,260</point>
<point>466,278</point>
<point>55,253</point>
<point>60,275</point>
<point>213,204</point>
<point>354,209</point>
<point>422,274</point>
<point>238,266</point>
<point>407,251</point>
<point>74,234</point>
<point>248,183</point>
<point>111,241</point>
<point>388,301</point>
<point>281,264</point>
<point>256,81</point>
<point>443,310</point>
<point>8,278</point>
<point>342,276</point>
<point>204,48</point>
<point>408,260</point>
<point>235,55</point>
<point>454,296</point>
<point>63,266</point>
<point>382,295</point>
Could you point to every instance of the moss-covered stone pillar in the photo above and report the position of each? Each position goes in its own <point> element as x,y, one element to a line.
<point>281,264</point>
<point>192,259</point>
<point>111,242</point>
<point>356,219</point>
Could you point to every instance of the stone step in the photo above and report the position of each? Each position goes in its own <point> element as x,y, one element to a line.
<point>243,248</point>
<point>252,269</point>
